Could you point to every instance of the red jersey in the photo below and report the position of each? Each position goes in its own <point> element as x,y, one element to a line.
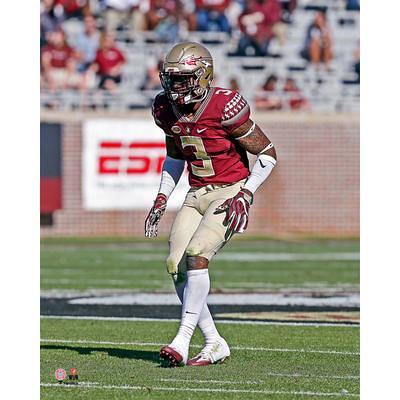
<point>71,6</point>
<point>215,5</point>
<point>59,56</point>
<point>107,59</point>
<point>271,12</point>
<point>212,154</point>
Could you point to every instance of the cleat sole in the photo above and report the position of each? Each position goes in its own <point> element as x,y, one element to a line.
<point>169,358</point>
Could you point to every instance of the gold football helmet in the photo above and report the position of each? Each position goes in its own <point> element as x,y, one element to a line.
<point>187,73</point>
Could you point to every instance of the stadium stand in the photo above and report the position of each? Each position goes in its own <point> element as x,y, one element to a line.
<point>325,88</point>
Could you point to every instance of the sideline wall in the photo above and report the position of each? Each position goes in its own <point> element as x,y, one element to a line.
<point>313,190</point>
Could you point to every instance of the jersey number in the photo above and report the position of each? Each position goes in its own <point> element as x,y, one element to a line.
<point>201,154</point>
<point>226,92</point>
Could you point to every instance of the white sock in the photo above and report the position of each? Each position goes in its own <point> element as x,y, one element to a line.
<point>194,298</point>
<point>206,323</point>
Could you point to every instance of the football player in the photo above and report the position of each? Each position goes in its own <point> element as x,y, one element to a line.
<point>210,129</point>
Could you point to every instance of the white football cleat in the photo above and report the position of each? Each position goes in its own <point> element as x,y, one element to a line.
<point>214,353</point>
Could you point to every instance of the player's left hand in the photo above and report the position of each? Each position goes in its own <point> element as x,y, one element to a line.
<point>155,214</point>
<point>237,212</point>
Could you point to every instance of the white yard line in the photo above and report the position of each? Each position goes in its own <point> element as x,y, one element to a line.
<point>165,284</point>
<point>211,381</point>
<point>250,257</point>
<point>230,287</point>
<point>245,348</point>
<point>344,377</point>
<point>207,390</point>
<point>66,281</point>
<point>220,321</point>
<point>261,381</point>
<point>282,299</point>
<point>257,256</point>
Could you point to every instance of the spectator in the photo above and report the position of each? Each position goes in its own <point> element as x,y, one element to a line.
<point>125,13</point>
<point>211,17</point>
<point>188,16</point>
<point>50,19</point>
<point>234,84</point>
<point>288,7</point>
<point>318,44</point>
<point>259,24</point>
<point>108,63</point>
<point>59,63</point>
<point>163,18</point>
<point>87,43</point>
<point>356,64</point>
<point>267,98</point>
<point>152,79</point>
<point>353,5</point>
<point>295,100</point>
<point>74,8</point>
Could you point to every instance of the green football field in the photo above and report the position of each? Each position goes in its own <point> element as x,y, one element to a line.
<point>242,265</point>
<point>118,358</point>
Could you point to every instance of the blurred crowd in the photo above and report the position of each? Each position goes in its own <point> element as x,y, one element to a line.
<point>94,60</point>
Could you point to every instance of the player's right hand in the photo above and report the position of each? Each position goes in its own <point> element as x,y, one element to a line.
<point>155,214</point>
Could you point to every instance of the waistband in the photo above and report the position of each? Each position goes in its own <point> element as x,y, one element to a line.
<point>211,187</point>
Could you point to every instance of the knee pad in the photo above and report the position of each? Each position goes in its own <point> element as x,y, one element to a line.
<point>172,265</point>
<point>175,264</point>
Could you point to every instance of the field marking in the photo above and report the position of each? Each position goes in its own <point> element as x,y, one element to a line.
<point>282,299</point>
<point>254,257</point>
<point>261,381</point>
<point>67,281</point>
<point>249,257</point>
<point>211,381</point>
<point>164,284</point>
<point>211,390</point>
<point>245,348</point>
<point>258,256</point>
<point>220,321</point>
<point>305,287</point>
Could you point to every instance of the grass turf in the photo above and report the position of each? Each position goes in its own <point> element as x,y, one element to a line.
<point>260,374</point>
<point>140,265</point>
<point>132,371</point>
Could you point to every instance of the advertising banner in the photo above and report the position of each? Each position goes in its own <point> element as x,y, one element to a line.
<point>122,162</point>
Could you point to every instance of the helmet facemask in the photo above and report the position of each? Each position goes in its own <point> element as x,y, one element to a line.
<point>183,87</point>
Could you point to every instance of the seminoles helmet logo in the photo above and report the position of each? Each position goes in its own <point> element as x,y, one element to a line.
<point>191,60</point>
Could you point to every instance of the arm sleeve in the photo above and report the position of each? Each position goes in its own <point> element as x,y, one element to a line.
<point>235,112</point>
<point>260,172</point>
<point>171,173</point>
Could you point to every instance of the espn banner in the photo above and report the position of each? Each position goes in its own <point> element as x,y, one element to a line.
<point>122,162</point>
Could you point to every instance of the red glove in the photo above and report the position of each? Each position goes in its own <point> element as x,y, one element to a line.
<point>155,214</point>
<point>237,212</point>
